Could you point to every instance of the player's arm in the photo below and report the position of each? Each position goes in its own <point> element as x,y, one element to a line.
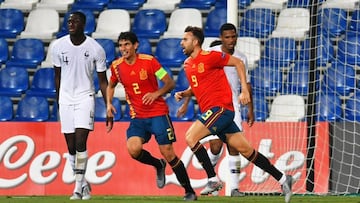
<point>103,82</point>
<point>110,109</point>
<point>250,114</point>
<point>57,81</point>
<point>169,84</point>
<point>240,68</point>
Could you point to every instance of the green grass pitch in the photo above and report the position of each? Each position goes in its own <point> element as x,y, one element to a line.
<point>174,199</point>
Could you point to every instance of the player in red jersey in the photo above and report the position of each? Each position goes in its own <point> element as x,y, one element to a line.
<point>139,73</point>
<point>209,85</point>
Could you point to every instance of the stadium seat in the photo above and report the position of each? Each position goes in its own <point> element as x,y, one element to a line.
<point>275,5</point>
<point>280,51</point>
<point>4,51</point>
<point>251,47</point>
<point>349,50</point>
<point>166,6</point>
<point>328,107</point>
<point>242,4</point>
<point>109,47</point>
<point>27,53</point>
<point>333,22</point>
<point>261,108</point>
<point>32,108</point>
<point>100,109</point>
<point>144,46</point>
<point>48,58</point>
<point>257,22</point>
<point>347,5</point>
<point>23,5</point>
<point>352,107</point>
<point>14,81</point>
<point>169,52</point>
<point>174,106</point>
<point>214,20</point>
<point>149,23</point>
<point>198,4</point>
<point>293,23</point>
<point>287,108</point>
<point>89,27</point>
<point>43,83</point>
<point>180,19</point>
<point>93,5</point>
<point>111,23</point>
<point>12,22</point>
<point>340,78</point>
<point>41,24</point>
<point>181,82</point>
<point>60,6</point>
<point>267,78</point>
<point>298,4</point>
<point>132,5</point>
<point>7,109</point>
<point>354,24</point>
<point>325,51</point>
<point>297,81</point>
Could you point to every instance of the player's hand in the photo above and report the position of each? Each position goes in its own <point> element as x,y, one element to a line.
<point>178,96</point>
<point>149,98</point>
<point>244,98</point>
<point>109,123</point>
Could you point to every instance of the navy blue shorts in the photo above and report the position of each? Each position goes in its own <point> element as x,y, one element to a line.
<point>219,121</point>
<point>160,126</point>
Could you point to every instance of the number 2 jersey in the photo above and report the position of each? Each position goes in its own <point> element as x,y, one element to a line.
<point>138,79</point>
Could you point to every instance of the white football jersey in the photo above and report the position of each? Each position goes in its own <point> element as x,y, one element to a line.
<point>234,81</point>
<point>78,64</point>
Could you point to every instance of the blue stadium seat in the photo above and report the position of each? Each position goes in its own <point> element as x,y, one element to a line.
<point>257,22</point>
<point>328,107</point>
<point>267,78</point>
<point>93,5</point>
<point>169,52</point>
<point>144,46</point>
<point>352,107</point>
<point>27,53</point>
<point>298,3</point>
<point>7,109</point>
<point>198,4</point>
<point>109,47</point>
<point>32,108</point>
<point>261,107</point>
<point>325,51</point>
<point>333,22</point>
<point>132,5</point>
<point>174,106</point>
<point>89,27</point>
<point>149,23</point>
<point>349,50</point>
<point>242,4</point>
<point>4,51</point>
<point>354,24</point>
<point>280,50</point>
<point>298,79</point>
<point>214,20</point>
<point>43,83</point>
<point>14,81</point>
<point>340,79</point>
<point>12,22</point>
<point>182,82</point>
<point>100,109</point>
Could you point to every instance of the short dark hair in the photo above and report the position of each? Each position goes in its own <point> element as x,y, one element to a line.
<point>197,32</point>
<point>215,43</point>
<point>227,26</point>
<point>81,15</point>
<point>128,36</point>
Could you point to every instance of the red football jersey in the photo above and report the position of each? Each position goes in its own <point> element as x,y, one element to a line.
<point>139,79</point>
<point>208,80</point>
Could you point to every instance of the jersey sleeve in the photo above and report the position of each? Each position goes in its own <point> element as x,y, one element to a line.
<point>100,59</point>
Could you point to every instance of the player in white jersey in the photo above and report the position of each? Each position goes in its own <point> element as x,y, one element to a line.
<point>227,44</point>
<point>75,58</point>
<point>228,38</point>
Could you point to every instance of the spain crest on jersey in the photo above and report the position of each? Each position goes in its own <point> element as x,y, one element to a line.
<point>143,74</point>
<point>201,68</point>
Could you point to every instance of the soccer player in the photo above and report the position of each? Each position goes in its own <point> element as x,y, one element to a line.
<point>139,73</point>
<point>209,85</point>
<point>75,58</point>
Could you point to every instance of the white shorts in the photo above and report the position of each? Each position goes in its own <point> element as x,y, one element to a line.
<point>77,116</point>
